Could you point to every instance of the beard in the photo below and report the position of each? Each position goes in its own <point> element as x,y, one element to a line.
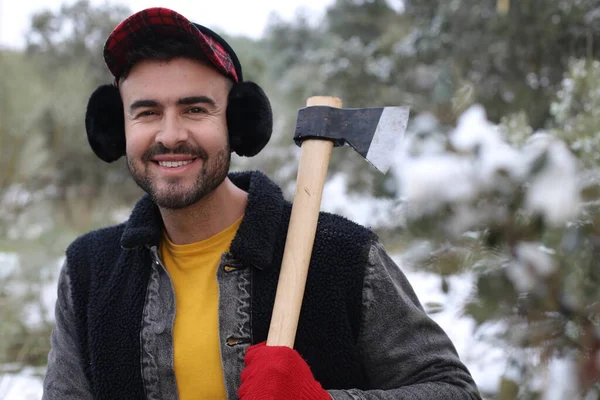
<point>175,194</point>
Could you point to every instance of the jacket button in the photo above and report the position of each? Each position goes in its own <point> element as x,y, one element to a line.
<point>159,328</point>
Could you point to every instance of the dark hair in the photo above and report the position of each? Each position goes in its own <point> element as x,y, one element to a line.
<point>163,49</point>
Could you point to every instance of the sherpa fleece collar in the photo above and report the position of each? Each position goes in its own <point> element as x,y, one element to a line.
<point>255,240</point>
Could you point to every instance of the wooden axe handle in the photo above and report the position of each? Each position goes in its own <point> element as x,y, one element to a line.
<point>312,171</point>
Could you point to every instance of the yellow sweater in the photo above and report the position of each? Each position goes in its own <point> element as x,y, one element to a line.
<point>193,271</point>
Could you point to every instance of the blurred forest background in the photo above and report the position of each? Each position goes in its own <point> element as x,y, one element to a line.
<point>498,180</point>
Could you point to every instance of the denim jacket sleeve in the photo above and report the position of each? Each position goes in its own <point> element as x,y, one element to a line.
<point>406,355</point>
<point>65,377</point>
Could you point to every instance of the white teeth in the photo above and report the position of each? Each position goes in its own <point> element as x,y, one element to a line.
<point>174,164</point>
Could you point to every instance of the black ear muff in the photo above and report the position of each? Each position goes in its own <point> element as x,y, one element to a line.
<point>249,119</point>
<point>105,123</point>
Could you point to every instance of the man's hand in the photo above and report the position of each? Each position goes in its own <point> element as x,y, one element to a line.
<point>278,372</point>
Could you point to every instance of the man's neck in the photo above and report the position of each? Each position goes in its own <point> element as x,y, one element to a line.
<point>218,210</point>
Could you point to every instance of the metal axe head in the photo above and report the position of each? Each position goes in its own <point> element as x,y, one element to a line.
<point>375,133</point>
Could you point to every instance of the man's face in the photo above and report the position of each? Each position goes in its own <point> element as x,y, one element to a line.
<point>176,130</point>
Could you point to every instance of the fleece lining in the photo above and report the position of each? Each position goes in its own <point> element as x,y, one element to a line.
<point>110,269</point>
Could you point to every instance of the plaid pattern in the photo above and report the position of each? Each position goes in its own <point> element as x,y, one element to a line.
<point>160,22</point>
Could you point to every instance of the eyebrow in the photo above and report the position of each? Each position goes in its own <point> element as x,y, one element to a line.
<point>186,101</point>
<point>142,103</point>
<point>182,101</point>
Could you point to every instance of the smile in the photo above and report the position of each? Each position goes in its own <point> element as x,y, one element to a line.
<point>174,164</point>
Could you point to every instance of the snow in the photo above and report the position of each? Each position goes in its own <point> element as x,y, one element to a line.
<point>43,309</point>
<point>554,190</point>
<point>362,209</point>
<point>474,130</point>
<point>39,309</point>
<point>533,263</point>
<point>562,375</point>
<point>26,385</point>
<point>474,134</point>
<point>421,179</point>
<point>9,263</point>
<point>480,163</point>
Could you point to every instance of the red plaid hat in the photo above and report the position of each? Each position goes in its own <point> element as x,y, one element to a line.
<point>161,22</point>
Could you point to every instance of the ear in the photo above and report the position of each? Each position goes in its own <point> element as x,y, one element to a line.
<point>249,118</point>
<point>105,123</point>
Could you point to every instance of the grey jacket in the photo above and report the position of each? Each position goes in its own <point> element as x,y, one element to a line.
<point>405,355</point>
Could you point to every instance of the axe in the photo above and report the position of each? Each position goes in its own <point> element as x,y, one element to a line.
<point>374,133</point>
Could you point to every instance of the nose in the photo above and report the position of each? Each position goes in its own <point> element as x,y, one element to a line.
<point>172,131</point>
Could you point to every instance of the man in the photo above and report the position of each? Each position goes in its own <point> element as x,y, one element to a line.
<point>176,302</point>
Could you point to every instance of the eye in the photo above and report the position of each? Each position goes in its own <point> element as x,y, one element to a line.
<point>196,110</point>
<point>146,113</point>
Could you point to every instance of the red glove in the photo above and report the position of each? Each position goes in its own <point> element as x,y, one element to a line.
<point>278,373</point>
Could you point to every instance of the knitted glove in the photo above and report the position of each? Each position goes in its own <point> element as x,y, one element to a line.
<point>278,373</point>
